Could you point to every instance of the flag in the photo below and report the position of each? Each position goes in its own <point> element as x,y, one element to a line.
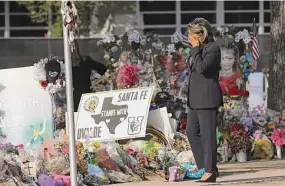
<point>253,35</point>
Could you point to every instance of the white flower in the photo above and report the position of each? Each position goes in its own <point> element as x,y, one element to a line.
<point>226,29</point>
<point>134,36</point>
<point>245,33</point>
<point>108,37</point>
<point>237,39</point>
<point>242,59</point>
<point>100,42</point>
<point>119,42</point>
<point>170,48</point>
<point>106,57</point>
<point>176,37</point>
<point>112,60</point>
<point>220,29</point>
<point>239,35</point>
<point>114,48</point>
<point>247,40</point>
<point>143,42</point>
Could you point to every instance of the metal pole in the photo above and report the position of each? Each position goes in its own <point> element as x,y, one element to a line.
<point>70,105</point>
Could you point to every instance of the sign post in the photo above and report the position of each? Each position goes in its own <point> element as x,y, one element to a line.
<point>70,106</point>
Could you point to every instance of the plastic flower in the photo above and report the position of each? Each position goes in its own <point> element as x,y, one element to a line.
<point>170,48</point>
<point>127,75</point>
<point>106,57</point>
<point>114,48</point>
<point>108,37</point>
<point>177,37</point>
<point>44,84</point>
<point>278,137</point>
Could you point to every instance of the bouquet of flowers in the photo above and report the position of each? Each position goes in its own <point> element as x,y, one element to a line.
<point>262,149</point>
<point>278,137</point>
<point>239,139</point>
<point>111,43</point>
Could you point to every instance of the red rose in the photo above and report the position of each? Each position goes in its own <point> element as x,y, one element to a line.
<point>44,84</point>
<point>163,60</point>
<point>21,146</point>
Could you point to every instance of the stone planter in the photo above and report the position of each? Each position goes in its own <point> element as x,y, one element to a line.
<point>241,157</point>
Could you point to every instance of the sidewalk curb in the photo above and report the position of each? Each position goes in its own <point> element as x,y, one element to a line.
<point>252,180</point>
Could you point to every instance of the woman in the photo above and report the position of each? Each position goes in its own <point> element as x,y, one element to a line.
<point>204,97</point>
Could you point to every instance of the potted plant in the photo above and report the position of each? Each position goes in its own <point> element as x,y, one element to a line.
<point>240,142</point>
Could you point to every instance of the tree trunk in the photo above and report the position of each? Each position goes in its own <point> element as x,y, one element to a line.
<point>276,91</point>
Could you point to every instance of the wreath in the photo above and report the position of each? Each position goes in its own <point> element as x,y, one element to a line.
<point>50,73</point>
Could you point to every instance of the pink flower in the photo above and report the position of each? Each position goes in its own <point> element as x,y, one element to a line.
<point>127,76</point>
<point>64,150</point>
<point>278,137</point>
<point>21,146</point>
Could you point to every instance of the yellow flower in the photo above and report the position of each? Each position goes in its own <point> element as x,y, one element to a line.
<point>157,145</point>
<point>96,144</point>
<point>36,133</point>
<point>154,138</point>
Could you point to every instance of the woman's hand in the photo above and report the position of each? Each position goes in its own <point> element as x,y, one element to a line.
<point>193,40</point>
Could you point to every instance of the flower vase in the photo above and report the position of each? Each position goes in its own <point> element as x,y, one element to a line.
<point>241,156</point>
<point>278,150</point>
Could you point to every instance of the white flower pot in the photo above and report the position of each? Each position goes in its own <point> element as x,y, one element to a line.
<point>278,149</point>
<point>241,157</point>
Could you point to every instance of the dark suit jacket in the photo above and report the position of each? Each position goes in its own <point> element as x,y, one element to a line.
<point>204,88</point>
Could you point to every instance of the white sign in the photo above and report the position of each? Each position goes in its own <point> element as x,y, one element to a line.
<point>256,96</point>
<point>113,115</point>
<point>160,120</point>
<point>27,108</point>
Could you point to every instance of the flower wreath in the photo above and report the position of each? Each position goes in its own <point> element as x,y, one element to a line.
<point>40,75</point>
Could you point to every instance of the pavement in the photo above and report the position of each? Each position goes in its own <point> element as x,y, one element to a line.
<point>252,173</point>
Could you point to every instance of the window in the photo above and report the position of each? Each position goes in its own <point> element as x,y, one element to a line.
<point>186,18</point>
<point>198,5</point>
<point>231,18</point>
<point>266,5</point>
<point>157,6</point>
<point>161,31</point>
<point>158,16</point>
<point>241,5</point>
<point>1,33</point>
<point>17,8</point>
<point>2,21</point>
<point>267,29</point>
<point>159,19</point>
<point>243,27</point>
<point>1,6</point>
<point>267,17</point>
<point>23,20</point>
<point>28,33</point>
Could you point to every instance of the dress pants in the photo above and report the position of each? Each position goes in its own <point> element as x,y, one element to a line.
<point>201,132</point>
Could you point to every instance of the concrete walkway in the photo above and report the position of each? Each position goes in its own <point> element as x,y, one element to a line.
<point>251,173</point>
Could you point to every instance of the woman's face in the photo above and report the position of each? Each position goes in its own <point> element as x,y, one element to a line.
<point>227,59</point>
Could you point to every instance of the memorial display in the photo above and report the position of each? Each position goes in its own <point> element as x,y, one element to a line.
<point>132,127</point>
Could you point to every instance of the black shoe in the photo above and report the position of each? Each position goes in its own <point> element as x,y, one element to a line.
<point>211,179</point>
